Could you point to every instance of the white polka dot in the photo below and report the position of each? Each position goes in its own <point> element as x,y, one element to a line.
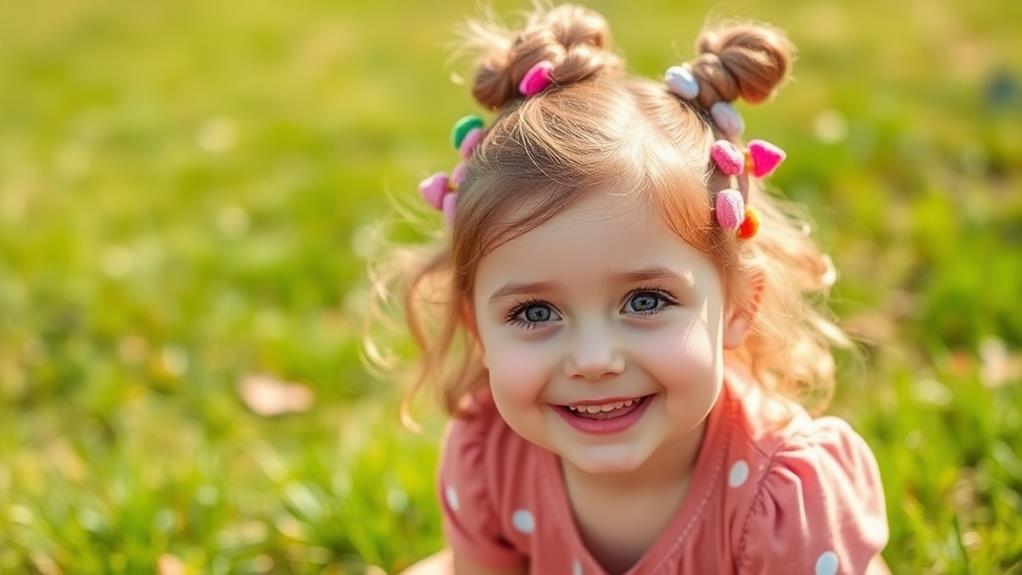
<point>452,497</point>
<point>827,564</point>
<point>576,567</point>
<point>523,521</point>
<point>739,473</point>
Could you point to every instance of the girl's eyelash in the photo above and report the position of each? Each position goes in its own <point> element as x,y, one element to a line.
<point>520,306</point>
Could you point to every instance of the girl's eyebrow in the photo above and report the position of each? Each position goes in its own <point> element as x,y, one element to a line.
<point>646,273</point>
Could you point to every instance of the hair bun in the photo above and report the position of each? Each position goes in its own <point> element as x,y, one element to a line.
<point>574,38</point>
<point>746,60</point>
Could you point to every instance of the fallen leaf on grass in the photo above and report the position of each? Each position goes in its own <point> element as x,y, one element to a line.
<point>998,365</point>
<point>267,396</point>
<point>169,564</point>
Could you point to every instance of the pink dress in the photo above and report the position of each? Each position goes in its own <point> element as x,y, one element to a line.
<point>805,498</point>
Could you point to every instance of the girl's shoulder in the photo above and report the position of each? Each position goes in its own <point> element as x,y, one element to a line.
<point>479,427</point>
<point>480,457</point>
<point>769,425</point>
<point>479,442</point>
<point>806,491</point>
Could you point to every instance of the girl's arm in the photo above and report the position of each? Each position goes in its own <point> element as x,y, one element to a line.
<point>445,562</point>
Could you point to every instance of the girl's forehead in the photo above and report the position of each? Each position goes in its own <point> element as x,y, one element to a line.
<point>598,214</point>
<point>599,218</point>
<point>603,236</point>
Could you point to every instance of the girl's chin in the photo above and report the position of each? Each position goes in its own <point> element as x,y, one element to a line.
<point>605,460</point>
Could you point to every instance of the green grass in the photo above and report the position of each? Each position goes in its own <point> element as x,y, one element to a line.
<point>186,187</point>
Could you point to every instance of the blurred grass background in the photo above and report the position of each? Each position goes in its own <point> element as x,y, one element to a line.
<point>186,197</point>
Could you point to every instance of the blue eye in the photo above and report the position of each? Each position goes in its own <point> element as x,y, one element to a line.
<point>647,301</point>
<point>651,297</point>
<point>529,308</point>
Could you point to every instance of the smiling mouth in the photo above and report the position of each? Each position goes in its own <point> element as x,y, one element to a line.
<point>610,410</point>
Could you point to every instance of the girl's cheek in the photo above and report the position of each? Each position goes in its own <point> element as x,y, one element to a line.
<point>517,373</point>
<point>681,359</point>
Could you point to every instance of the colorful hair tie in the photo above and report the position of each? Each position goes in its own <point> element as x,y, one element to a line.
<point>450,208</point>
<point>434,188</point>
<point>728,157</point>
<point>750,225</point>
<point>469,143</point>
<point>765,157</point>
<point>536,79</point>
<point>440,189</point>
<point>760,159</point>
<point>440,192</point>
<point>730,209</point>
<point>680,80</point>
<point>462,127</point>
<point>727,119</point>
<point>458,175</point>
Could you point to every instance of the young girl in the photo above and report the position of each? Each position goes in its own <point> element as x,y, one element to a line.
<point>637,343</point>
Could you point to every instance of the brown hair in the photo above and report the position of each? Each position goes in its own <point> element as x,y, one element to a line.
<point>597,128</point>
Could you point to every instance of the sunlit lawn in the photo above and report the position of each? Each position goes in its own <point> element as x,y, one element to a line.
<point>186,190</point>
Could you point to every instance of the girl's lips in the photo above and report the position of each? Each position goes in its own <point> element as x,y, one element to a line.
<point>621,420</point>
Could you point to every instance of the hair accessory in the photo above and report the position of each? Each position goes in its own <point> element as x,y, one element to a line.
<point>463,127</point>
<point>469,143</point>
<point>681,81</point>
<point>434,188</point>
<point>765,157</point>
<point>727,119</point>
<point>730,209</point>
<point>450,208</point>
<point>760,159</point>
<point>440,190</point>
<point>750,225</point>
<point>536,79</point>
<point>458,175</point>
<point>728,157</point>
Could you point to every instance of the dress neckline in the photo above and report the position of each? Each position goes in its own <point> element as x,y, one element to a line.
<point>707,467</point>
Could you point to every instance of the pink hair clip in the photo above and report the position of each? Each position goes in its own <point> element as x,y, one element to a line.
<point>760,159</point>
<point>728,157</point>
<point>536,79</point>
<point>761,156</point>
<point>730,209</point>
<point>440,190</point>
<point>765,157</point>
<point>434,188</point>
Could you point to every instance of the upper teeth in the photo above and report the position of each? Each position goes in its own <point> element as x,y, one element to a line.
<point>604,407</point>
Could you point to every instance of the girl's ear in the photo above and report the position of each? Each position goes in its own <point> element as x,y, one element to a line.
<point>741,316</point>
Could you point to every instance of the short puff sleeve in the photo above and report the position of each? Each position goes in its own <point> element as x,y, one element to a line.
<point>819,507</point>
<point>466,487</point>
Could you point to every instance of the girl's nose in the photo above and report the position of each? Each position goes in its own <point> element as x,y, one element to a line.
<point>594,356</point>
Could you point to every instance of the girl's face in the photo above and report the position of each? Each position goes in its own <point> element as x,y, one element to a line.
<point>602,305</point>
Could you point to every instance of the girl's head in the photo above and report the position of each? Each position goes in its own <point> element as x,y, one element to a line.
<point>600,176</point>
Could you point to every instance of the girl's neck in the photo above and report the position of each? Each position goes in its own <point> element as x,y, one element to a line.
<point>620,516</point>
